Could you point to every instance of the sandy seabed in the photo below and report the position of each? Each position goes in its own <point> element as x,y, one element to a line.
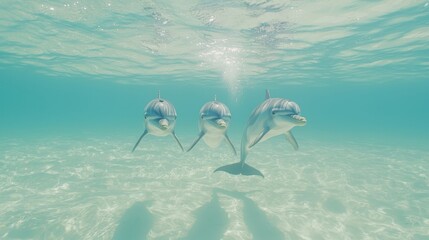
<point>97,189</point>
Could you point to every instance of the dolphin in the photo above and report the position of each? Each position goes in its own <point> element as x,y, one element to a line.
<point>160,119</point>
<point>214,121</point>
<point>275,116</point>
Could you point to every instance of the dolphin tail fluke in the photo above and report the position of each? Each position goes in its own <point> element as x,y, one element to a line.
<point>138,141</point>
<point>240,168</point>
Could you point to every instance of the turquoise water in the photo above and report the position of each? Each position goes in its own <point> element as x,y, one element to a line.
<point>75,77</point>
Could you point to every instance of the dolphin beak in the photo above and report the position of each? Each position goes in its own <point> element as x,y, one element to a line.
<point>301,120</point>
<point>163,123</point>
<point>221,123</point>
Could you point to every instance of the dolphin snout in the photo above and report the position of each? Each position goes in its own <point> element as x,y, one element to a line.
<point>300,119</point>
<point>221,123</point>
<point>163,123</point>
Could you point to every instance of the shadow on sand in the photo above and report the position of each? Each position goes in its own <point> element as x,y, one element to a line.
<point>211,221</point>
<point>255,218</point>
<point>135,224</point>
<point>210,224</point>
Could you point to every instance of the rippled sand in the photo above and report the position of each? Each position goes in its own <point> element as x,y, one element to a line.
<point>98,189</point>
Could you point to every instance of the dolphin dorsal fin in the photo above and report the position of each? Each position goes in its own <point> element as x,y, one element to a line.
<point>215,98</point>
<point>267,94</point>
<point>159,94</point>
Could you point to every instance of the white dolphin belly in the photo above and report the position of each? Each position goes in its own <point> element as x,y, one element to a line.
<point>272,133</point>
<point>264,121</point>
<point>213,140</point>
<point>275,132</point>
<point>212,136</point>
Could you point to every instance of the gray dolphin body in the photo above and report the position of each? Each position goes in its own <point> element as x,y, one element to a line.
<point>160,120</point>
<point>275,116</point>
<point>214,120</point>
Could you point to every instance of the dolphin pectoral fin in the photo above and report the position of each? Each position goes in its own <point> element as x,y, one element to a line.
<point>261,135</point>
<point>230,144</point>
<point>177,140</point>
<point>240,168</point>
<point>138,141</point>
<point>196,141</point>
<point>292,140</point>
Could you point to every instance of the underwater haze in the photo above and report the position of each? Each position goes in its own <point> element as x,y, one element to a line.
<point>75,77</point>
